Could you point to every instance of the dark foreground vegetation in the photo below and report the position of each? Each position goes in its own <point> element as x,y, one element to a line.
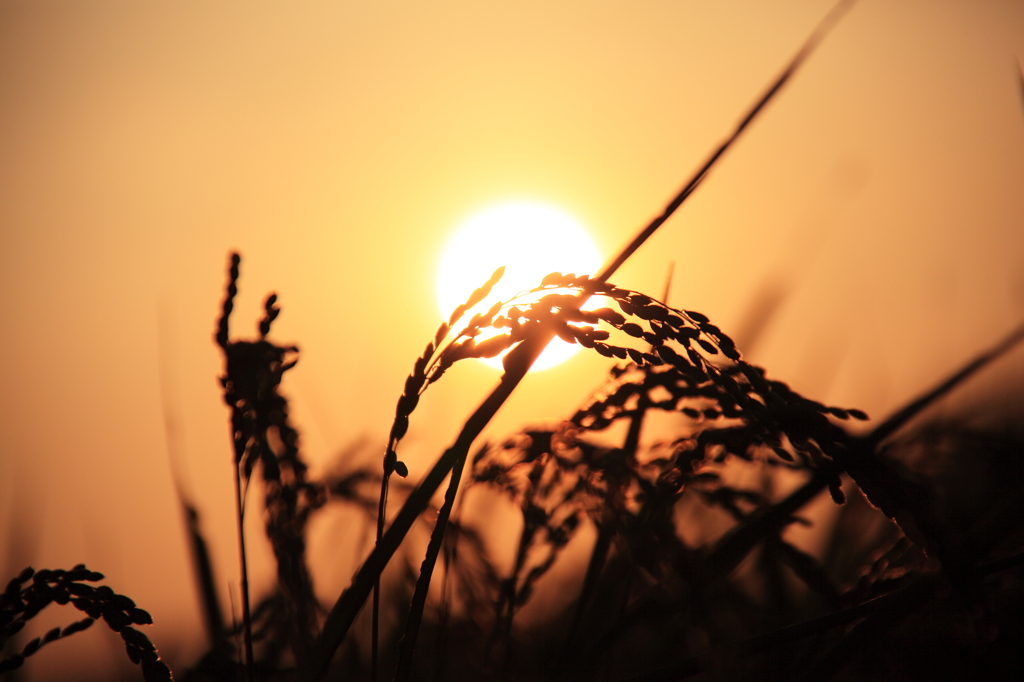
<point>692,569</point>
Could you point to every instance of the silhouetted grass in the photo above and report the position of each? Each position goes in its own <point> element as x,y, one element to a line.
<point>651,606</point>
<point>32,591</point>
<point>917,578</point>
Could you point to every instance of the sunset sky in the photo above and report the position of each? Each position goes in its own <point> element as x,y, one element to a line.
<point>874,213</point>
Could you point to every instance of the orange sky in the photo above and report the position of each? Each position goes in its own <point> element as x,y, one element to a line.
<point>337,144</point>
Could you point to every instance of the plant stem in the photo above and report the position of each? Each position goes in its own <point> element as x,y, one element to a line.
<point>738,543</point>
<point>450,558</point>
<point>893,423</point>
<point>341,616</point>
<point>805,51</point>
<point>408,642</point>
<point>246,620</point>
<point>598,558</point>
<point>375,627</point>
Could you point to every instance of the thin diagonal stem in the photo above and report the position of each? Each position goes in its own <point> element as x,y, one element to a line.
<point>375,625</point>
<point>893,423</point>
<point>408,642</point>
<point>351,600</point>
<point>805,51</point>
<point>246,619</point>
<point>738,543</point>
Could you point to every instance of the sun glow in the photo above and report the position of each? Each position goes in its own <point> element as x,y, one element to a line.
<point>530,240</point>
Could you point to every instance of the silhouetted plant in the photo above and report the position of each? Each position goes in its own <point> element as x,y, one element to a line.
<point>671,360</point>
<point>743,602</point>
<point>32,591</point>
<point>263,435</point>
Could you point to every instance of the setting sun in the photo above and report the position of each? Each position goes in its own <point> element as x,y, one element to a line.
<point>530,240</point>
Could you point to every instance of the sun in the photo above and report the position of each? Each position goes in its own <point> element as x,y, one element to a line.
<point>530,240</point>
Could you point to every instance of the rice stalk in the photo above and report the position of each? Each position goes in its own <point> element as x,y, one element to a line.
<point>430,366</point>
<point>32,591</point>
<point>262,435</point>
<point>516,364</point>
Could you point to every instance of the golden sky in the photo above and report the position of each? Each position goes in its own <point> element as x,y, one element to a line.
<point>337,145</point>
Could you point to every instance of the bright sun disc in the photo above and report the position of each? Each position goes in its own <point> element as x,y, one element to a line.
<point>530,240</point>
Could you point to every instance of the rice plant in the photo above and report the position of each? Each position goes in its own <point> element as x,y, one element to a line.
<point>688,566</point>
<point>32,591</point>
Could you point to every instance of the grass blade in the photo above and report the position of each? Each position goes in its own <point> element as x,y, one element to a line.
<point>408,642</point>
<point>805,51</point>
